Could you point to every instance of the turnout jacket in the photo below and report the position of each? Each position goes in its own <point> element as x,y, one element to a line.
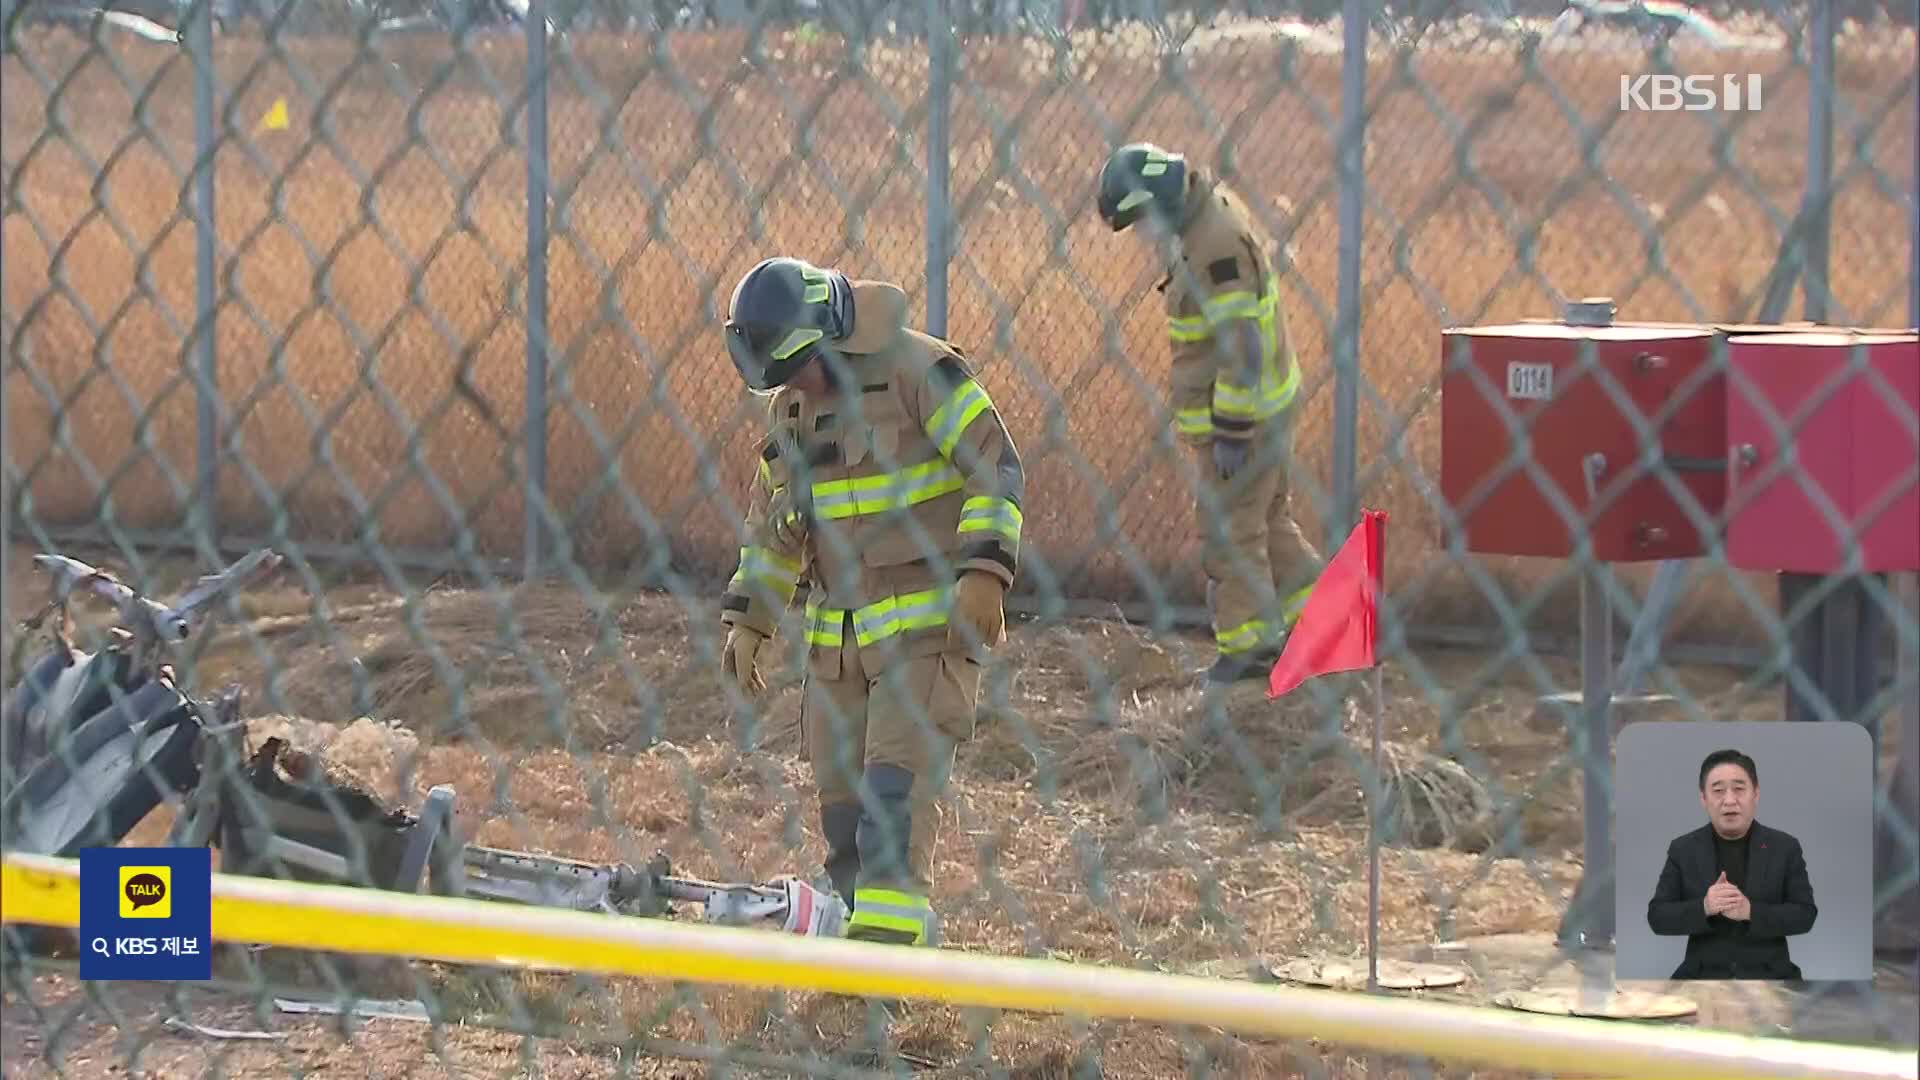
<point>903,478</point>
<point>1224,278</point>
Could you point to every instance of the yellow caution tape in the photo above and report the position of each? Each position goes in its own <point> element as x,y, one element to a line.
<point>334,918</point>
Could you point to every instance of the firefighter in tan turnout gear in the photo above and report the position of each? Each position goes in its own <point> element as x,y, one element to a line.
<point>1234,378</point>
<point>888,480</point>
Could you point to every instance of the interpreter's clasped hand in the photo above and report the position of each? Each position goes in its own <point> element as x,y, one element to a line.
<point>1725,898</point>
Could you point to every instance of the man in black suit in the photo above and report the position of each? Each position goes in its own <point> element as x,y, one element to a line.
<point>1736,888</point>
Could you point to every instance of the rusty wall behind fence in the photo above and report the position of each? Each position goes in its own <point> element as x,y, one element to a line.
<point>381,233</point>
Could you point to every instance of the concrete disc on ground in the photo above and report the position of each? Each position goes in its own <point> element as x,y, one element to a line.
<point>1602,1004</point>
<point>1345,974</point>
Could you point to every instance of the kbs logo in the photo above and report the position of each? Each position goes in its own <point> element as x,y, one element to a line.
<point>146,913</point>
<point>146,892</point>
<point>1690,93</point>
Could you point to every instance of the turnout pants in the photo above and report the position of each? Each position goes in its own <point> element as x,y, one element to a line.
<point>881,745</point>
<point>1260,567</point>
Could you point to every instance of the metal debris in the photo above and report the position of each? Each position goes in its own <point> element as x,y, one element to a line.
<point>390,1010</point>
<point>203,1030</point>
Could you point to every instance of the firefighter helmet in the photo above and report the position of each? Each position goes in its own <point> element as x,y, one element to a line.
<point>1138,176</point>
<point>782,312</point>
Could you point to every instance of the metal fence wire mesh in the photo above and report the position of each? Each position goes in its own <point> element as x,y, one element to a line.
<point>427,299</point>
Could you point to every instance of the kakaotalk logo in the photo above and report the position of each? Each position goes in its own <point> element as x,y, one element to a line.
<point>146,892</point>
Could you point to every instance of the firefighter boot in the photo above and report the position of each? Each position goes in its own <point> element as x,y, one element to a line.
<point>1246,664</point>
<point>1256,664</point>
<point>889,904</point>
<point>840,822</point>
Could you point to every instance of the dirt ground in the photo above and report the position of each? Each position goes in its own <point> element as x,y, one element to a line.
<point>1105,813</point>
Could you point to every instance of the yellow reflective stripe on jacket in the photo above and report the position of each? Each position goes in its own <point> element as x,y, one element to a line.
<point>990,513</point>
<point>1186,328</point>
<point>1238,304</point>
<point>1233,402</point>
<point>825,626</point>
<point>881,619</point>
<point>893,911</point>
<point>1276,389</point>
<point>1273,395</point>
<point>836,499</point>
<point>767,567</point>
<point>949,422</point>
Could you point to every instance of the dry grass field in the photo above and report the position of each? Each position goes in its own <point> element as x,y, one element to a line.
<point>371,331</point>
<point>1100,817</point>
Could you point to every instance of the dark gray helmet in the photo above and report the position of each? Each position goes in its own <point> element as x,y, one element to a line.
<point>781,313</point>
<point>1138,176</point>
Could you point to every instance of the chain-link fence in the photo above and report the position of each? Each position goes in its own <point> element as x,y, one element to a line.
<point>427,299</point>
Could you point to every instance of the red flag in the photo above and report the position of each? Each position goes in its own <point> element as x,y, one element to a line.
<point>1340,627</point>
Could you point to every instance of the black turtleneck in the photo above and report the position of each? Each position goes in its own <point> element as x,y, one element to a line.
<point>1732,856</point>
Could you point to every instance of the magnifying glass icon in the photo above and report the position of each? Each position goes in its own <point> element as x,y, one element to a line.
<point>99,945</point>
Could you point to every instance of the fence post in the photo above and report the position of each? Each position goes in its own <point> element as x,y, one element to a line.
<point>1813,654</point>
<point>206,362</point>
<point>1346,396</point>
<point>939,163</point>
<point>1814,279</point>
<point>536,434</point>
<point>1897,926</point>
<point>1346,335</point>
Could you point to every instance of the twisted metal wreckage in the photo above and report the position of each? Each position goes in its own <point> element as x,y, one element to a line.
<point>99,740</point>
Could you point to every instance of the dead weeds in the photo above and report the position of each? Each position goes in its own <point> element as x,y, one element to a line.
<point>1109,811</point>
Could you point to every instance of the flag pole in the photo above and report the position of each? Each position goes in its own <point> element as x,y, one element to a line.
<point>1373,837</point>
<point>1338,629</point>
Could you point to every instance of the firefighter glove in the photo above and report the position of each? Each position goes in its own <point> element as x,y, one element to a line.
<point>789,525</point>
<point>1229,457</point>
<point>739,661</point>
<point>977,602</point>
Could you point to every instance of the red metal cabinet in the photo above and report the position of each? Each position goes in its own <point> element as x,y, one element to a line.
<point>1507,487</point>
<point>1822,446</point>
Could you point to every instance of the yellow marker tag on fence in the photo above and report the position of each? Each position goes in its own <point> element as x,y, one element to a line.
<point>275,118</point>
